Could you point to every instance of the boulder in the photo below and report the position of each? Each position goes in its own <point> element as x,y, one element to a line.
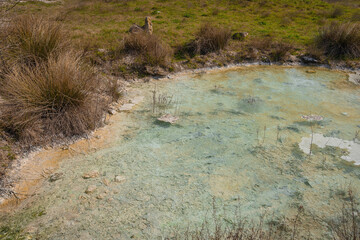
<point>147,28</point>
<point>239,36</point>
<point>307,59</point>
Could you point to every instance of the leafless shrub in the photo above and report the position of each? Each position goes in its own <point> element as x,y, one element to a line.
<point>346,225</point>
<point>238,228</point>
<point>162,102</point>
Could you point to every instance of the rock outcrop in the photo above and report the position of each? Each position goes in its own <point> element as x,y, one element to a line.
<point>148,28</point>
<point>239,36</point>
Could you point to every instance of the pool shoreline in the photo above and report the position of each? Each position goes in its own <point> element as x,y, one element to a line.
<point>17,176</point>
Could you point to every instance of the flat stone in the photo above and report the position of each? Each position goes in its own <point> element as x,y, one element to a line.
<point>137,99</point>
<point>92,174</point>
<point>120,179</point>
<point>126,107</point>
<point>90,189</point>
<point>168,118</point>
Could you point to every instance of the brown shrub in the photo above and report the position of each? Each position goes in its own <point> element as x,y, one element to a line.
<point>30,39</point>
<point>54,100</point>
<point>276,50</point>
<point>208,39</point>
<point>151,50</point>
<point>339,40</point>
<point>261,44</point>
<point>337,12</point>
<point>355,17</point>
<point>279,51</point>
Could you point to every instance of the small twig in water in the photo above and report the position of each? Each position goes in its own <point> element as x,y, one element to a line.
<point>264,134</point>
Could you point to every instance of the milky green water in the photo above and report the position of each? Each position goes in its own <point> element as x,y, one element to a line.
<point>236,142</point>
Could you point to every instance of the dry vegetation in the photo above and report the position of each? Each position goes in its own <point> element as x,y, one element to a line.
<point>339,40</point>
<point>30,40</point>
<point>209,38</point>
<point>342,225</point>
<point>57,98</point>
<point>149,49</point>
<point>47,91</point>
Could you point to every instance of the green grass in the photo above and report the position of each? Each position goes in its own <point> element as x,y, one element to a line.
<point>101,24</point>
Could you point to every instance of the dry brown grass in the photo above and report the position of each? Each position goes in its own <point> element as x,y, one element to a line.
<point>148,48</point>
<point>54,100</point>
<point>209,38</point>
<point>277,51</point>
<point>280,50</point>
<point>339,40</point>
<point>29,39</point>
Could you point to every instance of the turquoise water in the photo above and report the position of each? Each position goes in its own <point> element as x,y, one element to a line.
<point>236,143</point>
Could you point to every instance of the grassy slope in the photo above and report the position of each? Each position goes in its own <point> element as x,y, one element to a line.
<point>102,24</point>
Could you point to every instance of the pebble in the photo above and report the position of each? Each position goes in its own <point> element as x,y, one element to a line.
<point>101,196</point>
<point>111,111</point>
<point>92,174</point>
<point>120,179</point>
<point>345,113</point>
<point>90,189</point>
<point>56,176</point>
<point>106,182</point>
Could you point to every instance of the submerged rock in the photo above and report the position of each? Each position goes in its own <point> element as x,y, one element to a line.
<point>168,118</point>
<point>106,182</point>
<point>92,174</point>
<point>90,189</point>
<point>101,196</point>
<point>56,176</point>
<point>120,179</point>
<point>312,117</point>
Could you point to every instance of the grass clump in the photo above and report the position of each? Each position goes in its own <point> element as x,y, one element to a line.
<point>339,40</point>
<point>30,39</point>
<point>280,51</point>
<point>209,38</point>
<point>55,99</point>
<point>149,48</point>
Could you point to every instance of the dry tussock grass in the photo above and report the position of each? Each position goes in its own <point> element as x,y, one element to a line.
<point>339,40</point>
<point>209,38</point>
<point>29,39</point>
<point>56,99</point>
<point>149,48</point>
